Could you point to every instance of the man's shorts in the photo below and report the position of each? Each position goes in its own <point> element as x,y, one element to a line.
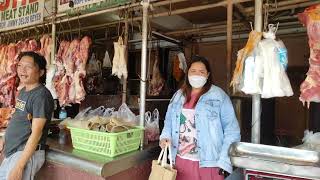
<point>33,165</point>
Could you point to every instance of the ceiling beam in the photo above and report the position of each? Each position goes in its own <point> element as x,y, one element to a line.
<point>286,5</point>
<point>222,3</point>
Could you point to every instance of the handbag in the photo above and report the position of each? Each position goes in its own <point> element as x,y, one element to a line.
<point>160,169</point>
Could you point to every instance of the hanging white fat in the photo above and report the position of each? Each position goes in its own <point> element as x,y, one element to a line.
<point>182,62</point>
<point>119,67</point>
<point>106,60</point>
<point>51,70</point>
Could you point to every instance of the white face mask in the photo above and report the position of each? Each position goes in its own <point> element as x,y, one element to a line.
<point>197,81</point>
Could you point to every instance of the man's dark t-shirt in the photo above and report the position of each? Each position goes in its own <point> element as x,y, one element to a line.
<point>37,102</point>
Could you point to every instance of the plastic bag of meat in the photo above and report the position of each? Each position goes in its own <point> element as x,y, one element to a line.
<point>152,125</point>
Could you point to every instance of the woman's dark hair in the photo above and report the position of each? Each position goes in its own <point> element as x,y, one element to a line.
<point>39,60</point>
<point>187,88</point>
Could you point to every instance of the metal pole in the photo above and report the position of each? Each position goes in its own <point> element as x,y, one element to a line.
<point>143,79</point>
<point>53,33</point>
<point>124,80</point>
<point>229,40</point>
<point>256,99</point>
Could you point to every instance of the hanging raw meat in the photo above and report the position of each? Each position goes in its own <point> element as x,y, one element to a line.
<point>8,69</point>
<point>157,82</point>
<point>5,115</point>
<point>71,62</point>
<point>45,50</point>
<point>119,67</point>
<point>80,72</point>
<point>310,88</point>
<point>8,74</point>
<point>254,38</point>
<point>177,72</point>
<point>59,80</point>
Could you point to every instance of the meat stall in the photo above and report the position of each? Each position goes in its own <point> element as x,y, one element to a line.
<point>67,70</point>
<point>301,162</point>
<point>73,38</point>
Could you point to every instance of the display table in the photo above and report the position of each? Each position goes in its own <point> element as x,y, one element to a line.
<point>64,162</point>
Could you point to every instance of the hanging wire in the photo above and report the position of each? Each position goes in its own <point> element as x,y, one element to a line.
<point>119,23</point>
<point>251,26</point>
<point>126,29</point>
<point>70,33</point>
<point>170,9</point>
<point>22,34</point>
<point>267,14</point>
<point>131,22</point>
<point>79,33</point>
<point>48,26</point>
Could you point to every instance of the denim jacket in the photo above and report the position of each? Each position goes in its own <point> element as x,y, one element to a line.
<point>216,124</point>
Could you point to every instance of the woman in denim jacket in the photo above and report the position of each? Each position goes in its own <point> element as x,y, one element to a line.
<point>200,125</point>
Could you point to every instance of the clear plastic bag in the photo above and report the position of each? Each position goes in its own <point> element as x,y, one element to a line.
<point>127,115</point>
<point>311,140</point>
<point>82,114</point>
<point>96,112</point>
<point>282,54</point>
<point>108,112</point>
<point>152,125</point>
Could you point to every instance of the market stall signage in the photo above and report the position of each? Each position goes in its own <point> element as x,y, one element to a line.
<point>20,13</point>
<point>74,7</point>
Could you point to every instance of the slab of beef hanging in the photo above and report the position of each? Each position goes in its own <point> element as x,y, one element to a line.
<point>71,61</point>
<point>310,88</point>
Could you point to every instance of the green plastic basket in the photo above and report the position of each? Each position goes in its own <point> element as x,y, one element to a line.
<point>109,144</point>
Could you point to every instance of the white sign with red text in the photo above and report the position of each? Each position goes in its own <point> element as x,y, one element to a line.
<point>16,14</point>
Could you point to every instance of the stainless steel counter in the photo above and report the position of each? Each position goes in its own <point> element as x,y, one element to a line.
<point>97,164</point>
<point>278,160</point>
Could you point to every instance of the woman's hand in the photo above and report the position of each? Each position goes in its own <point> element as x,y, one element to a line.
<point>16,173</point>
<point>164,142</point>
<point>1,144</point>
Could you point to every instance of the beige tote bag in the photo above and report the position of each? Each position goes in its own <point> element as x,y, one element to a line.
<point>160,169</point>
